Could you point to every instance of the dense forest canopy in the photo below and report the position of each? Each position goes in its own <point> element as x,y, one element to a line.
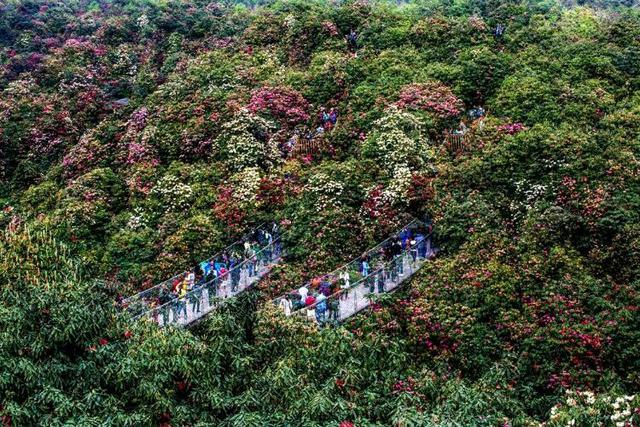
<point>140,137</point>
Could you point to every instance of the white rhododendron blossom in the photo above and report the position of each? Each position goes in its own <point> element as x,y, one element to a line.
<point>399,184</point>
<point>246,184</point>
<point>581,407</point>
<point>143,21</point>
<point>325,191</point>
<point>137,220</point>
<point>398,139</point>
<point>246,142</point>
<point>173,194</point>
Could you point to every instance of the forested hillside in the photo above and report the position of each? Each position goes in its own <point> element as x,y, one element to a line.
<point>138,138</point>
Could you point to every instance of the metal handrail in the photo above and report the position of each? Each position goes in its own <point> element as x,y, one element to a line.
<point>147,291</point>
<point>338,270</point>
<point>394,279</point>
<point>197,290</point>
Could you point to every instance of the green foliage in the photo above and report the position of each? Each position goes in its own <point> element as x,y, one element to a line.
<point>136,140</point>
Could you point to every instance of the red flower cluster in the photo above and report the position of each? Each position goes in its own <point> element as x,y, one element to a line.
<point>286,105</point>
<point>433,97</point>
<point>511,128</point>
<point>377,208</point>
<point>226,210</point>
<point>271,191</point>
<point>404,386</point>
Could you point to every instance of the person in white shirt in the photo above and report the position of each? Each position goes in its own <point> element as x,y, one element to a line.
<point>346,283</point>
<point>286,305</point>
<point>303,291</point>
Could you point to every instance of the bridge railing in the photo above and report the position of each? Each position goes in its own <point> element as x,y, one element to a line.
<point>208,295</point>
<point>352,268</point>
<point>386,277</point>
<point>455,142</point>
<point>305,147</point>
<point>139,303</point>
<point>377,260</point>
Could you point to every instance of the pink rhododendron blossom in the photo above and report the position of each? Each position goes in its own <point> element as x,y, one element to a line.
<point>285,104</point>
<point>433,97</point>
<point>330,28</point>
<point>511,128</point>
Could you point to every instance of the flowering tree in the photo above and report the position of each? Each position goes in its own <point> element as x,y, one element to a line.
<point>284,104</point>
<point>397,139</point>
<point>245,141</point>
<point>173,195</point>
<point>432,97</point>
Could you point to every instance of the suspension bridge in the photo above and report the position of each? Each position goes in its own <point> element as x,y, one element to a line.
<point>191,295</point>
<point>379,270</point>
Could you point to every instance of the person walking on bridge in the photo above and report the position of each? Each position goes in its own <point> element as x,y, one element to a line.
<point>181,302</point>
<point>346,283</point>
<point>321,308</point>
<point>286,305</point>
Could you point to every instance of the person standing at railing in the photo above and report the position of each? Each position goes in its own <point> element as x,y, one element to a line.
<point>381,279</point>
<point>325,287</point>
<point>413,250</point>
<point>164,297</point>
<point>153,307</point>
<point>249,255</point>
<point>371,281</point>
<point>235,272</point>
<point>268,251</point>
<point>397,256</point>
<point>224,278</point>
<point>194,292</point>
<point>334,309</point>
<point>286,305</point>
<point>275,232</point>
<point>364,267</point>
<point>346,283</point>
<point>309,300</point>
<point>428,251</point>
<point>420,243</point>
<point>175,284</point>
<point>205,267</point>
<point>390,259</point>
<point>212,287</point>
<point>208,270</point>
<point>303,292</point>
<point>181,302</point>
<point>404,236</point>
<point>321,308</point>
<point>218,264</point>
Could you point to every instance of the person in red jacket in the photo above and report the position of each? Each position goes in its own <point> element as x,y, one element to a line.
<point>310,300</point>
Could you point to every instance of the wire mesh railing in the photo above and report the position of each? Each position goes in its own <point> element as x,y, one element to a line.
<point>234,254</point>
<point>382,268</point>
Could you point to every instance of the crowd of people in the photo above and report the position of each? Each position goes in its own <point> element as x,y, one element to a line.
<point>322,296</point>
<point>184,296</point>
<point>219,276</point>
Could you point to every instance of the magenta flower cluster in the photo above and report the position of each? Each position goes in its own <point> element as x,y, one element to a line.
<point>433,97</point>
<point>284,104</point>
<point>511,128</point>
